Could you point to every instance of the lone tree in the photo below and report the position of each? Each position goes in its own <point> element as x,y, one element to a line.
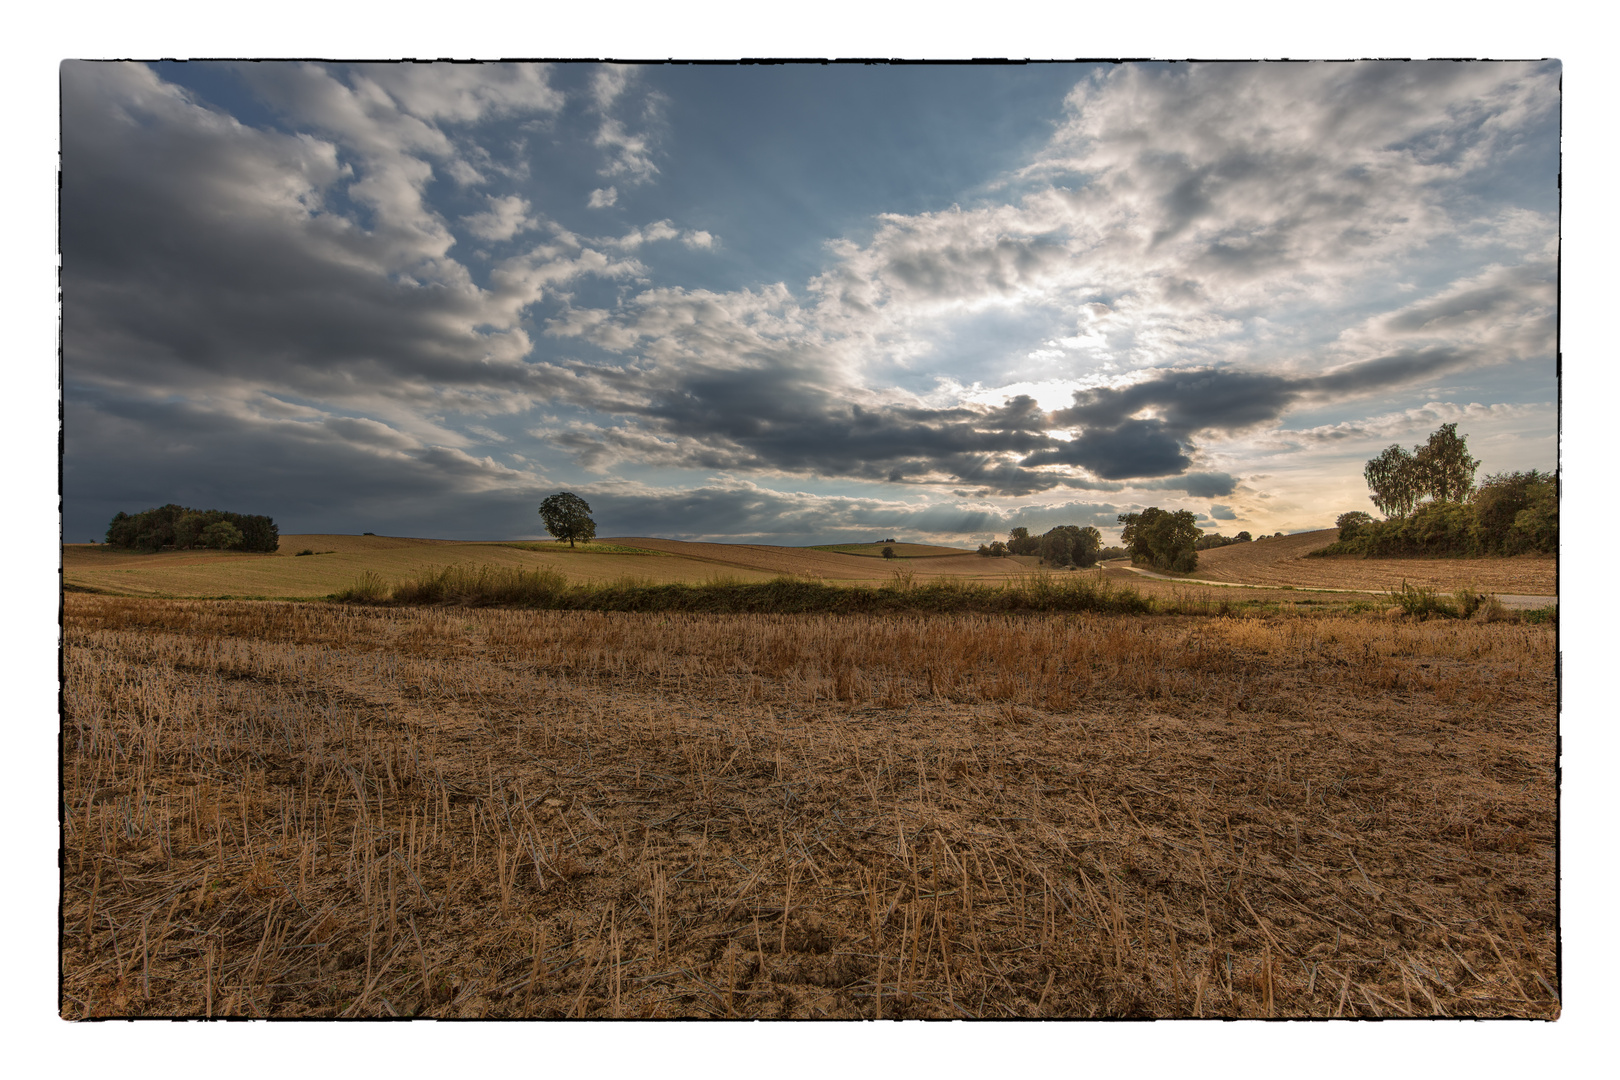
<point>568,517</point>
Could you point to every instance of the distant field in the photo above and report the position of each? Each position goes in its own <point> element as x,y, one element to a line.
<point>902,551</point>
<point>1274,562</point>
<point>342,559</point>
<point>1282,561</point>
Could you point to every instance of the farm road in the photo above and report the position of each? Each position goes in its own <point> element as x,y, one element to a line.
<point>1515,602</point>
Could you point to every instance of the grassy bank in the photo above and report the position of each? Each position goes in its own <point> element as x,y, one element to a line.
<point>549,589</point>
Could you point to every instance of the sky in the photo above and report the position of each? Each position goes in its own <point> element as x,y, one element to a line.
<point>797,303</point>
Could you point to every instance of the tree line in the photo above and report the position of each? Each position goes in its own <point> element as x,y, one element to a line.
<point>1166,540</point>
<point>182,528</point>
<point>1065,545</point>
<point>1432,507</point>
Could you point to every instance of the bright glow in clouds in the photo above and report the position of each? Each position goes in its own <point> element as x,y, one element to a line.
<point>419,298</point>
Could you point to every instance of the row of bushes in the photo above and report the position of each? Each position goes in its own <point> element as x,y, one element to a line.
<point>182,528</point>
<point>1216,540</point>
<point>549,589</point>
<point>1510,514</point>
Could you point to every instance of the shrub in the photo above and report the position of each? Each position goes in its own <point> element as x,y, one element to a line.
<point>368,588</point>
<point>464,584</point>
<point>1535,525</point>
<point>1420,601</point>
<point>1352,523</point>
<point>888,553</point>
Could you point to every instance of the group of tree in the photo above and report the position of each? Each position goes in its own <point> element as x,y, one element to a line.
<point>1216,540</point>
<point>1441,470</point>
<point>1432,507</point>
<point>1065,545</point>
<point>1166,540</point>
<point>182,528</point>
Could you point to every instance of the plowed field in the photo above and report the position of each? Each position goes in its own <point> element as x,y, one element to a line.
<point>1281,561</point>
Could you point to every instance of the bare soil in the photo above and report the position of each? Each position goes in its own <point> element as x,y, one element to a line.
<point>305,810</point>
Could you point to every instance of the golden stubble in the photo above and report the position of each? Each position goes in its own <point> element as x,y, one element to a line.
<point>311,810</point>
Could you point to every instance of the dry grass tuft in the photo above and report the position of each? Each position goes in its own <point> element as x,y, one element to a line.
<point>315,810</point>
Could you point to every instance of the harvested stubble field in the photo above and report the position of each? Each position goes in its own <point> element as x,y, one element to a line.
<point>310,810</point>
<point>1282,561</point>
<point>340,559</point>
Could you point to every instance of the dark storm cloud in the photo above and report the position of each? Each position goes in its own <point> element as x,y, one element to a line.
<point>1200,485</point>
<point>327,474</point>
<point>197,251</point>
<point>750,512</point>
<point>778,417</point>
<point>1408,365</point>
<point>1117,443</point>
<point>1115,452</point>
<point>747,511</point>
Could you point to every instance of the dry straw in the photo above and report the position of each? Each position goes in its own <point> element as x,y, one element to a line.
<point>326,810</point>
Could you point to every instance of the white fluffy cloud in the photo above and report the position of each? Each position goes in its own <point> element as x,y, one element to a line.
<point>507,216</point>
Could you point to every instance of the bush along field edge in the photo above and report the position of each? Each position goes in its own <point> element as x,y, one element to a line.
<point>548,589</point>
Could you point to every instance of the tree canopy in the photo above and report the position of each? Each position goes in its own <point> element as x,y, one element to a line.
<point>1441,469</point>
<point>1444,467</point>
<point>568,517</point>
<point>1162,539</point>
<point>181,528</point>
<point>1392,479</point>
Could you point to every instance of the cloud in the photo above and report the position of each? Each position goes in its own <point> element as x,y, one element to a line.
<point>465,93</point>
<point>507,216</point>
<point>200,254</point>
<point>1407,423</point>
<point>765,515</point>
<point>1198,253</point>
<point>1221,512</point>
<point>628,154</point>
